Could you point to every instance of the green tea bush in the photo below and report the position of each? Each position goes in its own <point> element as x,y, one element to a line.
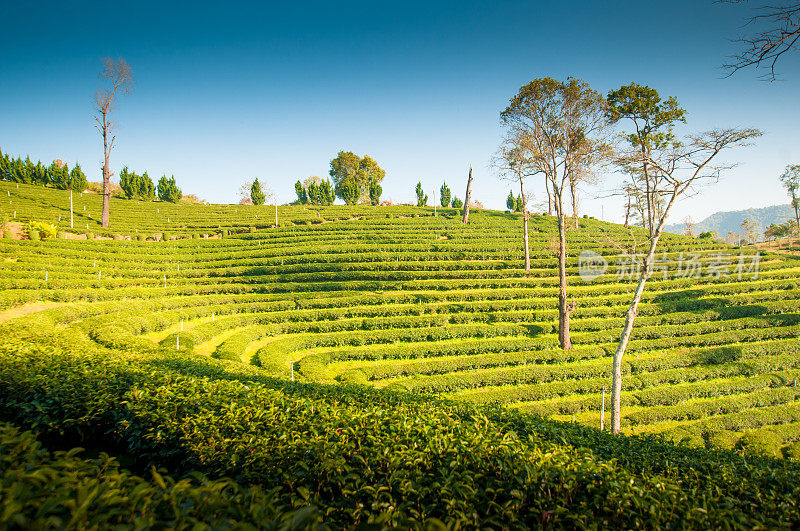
<point>428,310</point>
<point>397,458</point>
<point>43,489</point>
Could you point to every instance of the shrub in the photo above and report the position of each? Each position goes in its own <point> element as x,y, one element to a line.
<point>42,230</point>
<point>40,488</point>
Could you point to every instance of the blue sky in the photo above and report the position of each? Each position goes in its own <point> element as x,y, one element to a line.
<point>227,92</point>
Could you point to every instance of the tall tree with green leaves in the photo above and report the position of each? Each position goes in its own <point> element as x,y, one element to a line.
<point>5,166</point>
<point>120,81</point>
<point>19,171</point>
<point>444,195</point>
<point>348,191</point>
<point>369,174</point>
<point>168,190</point>
<point>129,183</point>
<point>669,168</point>
<point>375,191</point>
<point>58,175</point>
<point>348,170</point>
<point>326,193</point>
<point>146,189</point>
<point>78,182</point>
<point>136,186</point>
<point>556,129</point>
<point>302,194</point>
<point>41,175</point>
<point>422,198</point>
<point>653,123</point>
<point>345,167</point>
<point>791,181</point>
<point>315,191</point>
<point>511,201</point>
<point>256,195</point>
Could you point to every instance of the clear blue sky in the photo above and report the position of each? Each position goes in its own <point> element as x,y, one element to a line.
<point>228,91</point>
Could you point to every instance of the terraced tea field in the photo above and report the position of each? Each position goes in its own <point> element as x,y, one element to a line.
<point>414,305</point>
<point>430,306</point>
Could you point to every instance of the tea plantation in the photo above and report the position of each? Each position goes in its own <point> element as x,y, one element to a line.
<point>384,366</point>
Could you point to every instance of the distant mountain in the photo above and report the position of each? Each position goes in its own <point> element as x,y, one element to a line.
<point>725,222</point>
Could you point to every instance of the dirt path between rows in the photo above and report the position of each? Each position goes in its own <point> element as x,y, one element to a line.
<point>26,309</point>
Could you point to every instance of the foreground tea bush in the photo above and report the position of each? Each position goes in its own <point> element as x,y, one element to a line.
<point>41,490</point>
<point>363,456</point>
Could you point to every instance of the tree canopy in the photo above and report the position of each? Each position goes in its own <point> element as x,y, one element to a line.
<point>58,175</point>
<point>653,121</point>
<point>791,181</point>
<point>353,176</point>
<point>375,191</point>
<point>256,194</point>
<point>168,190</point>
<point>422,198</point>
<point>558,129</point>
<point>444,195</point>
<point>314,191</point>
<point>136,186</point>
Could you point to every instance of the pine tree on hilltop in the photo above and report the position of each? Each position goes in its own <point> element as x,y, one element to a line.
<point>444,195</point>
<point>77,179</point>
<point>375,191</point>
<point>256,194</point>
<point>422,198</point>
<point>168,190</point>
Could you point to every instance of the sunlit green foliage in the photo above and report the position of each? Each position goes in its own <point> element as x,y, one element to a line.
<point>425,362</point>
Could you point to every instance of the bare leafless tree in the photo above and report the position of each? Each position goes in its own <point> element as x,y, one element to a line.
<point>688,227</point>
<point>468,197</point>
<point>119,80</point>
<point>244,193</point>
<point>774,32</point>
<point>674,171</point>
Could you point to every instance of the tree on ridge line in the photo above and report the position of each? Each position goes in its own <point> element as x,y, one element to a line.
<point>673,168</point>
<point>559,128</point>
<point>120,76</point>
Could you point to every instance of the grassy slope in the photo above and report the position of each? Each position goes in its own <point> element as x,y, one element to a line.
<point>423,305</point>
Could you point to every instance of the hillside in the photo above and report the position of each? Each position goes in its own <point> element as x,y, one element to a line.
<point>725,222</point>
<point>427,382</point>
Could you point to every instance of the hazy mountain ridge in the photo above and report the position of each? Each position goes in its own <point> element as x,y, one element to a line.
<point>731,221</point>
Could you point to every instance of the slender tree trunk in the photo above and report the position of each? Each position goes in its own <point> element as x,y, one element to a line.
<point>627,329</point>
<point>467,198</point>
<point>549,197</point>
<point>564,308</point>
<point>525,225</point>
<point>796,206</point>
<point>106,175</point>
<point>627,211</point>
<point>648,196</point>
<point>574,194</point>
